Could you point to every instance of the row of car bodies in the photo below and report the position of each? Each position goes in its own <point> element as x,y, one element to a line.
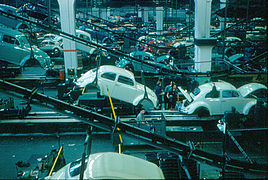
<point>163,62</point>
<point>209,99</point>
<point>155,64</point>
<point>53,44</point>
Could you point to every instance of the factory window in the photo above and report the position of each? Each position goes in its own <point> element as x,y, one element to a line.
<point>196,91</point>
<point>213,94</point>
<point>110,76</point>
<point>75,167</point>
<point>125,80</point>
<point>108,41</point>
<point>9,39</point>
<point>229,93</point>
<point>17,42</point>
<point>84,37</point>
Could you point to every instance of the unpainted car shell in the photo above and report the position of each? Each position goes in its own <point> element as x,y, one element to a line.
<point>110,165</point>
<point>220,105</point>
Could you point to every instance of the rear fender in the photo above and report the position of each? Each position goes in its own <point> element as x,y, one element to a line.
<point>194,106</point>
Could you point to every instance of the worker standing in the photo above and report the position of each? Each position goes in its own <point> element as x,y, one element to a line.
<point>167,88</point>
<point>159,92</point>
<point>140,117</point>
<point>172,96</point>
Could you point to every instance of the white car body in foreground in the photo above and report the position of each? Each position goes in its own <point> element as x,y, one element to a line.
<point>110,165</point>
<point>209,100</point>
<point>121,84</point>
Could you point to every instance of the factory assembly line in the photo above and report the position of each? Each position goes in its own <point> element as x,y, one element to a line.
<point>161,90</point>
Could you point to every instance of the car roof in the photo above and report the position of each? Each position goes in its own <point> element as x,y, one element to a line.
<point>222,85</point>
<point>112,165</point>
<point>10,31</point>
<point>115,69</point>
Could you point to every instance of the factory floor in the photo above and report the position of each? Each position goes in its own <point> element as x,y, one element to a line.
<point>30,147</point>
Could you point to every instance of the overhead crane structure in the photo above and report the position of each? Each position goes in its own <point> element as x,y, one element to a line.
<point>115,53</point>
<point>108,124</point>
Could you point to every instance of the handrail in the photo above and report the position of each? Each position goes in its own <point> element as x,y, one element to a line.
<point>53,166</point>
<point>112,106</point>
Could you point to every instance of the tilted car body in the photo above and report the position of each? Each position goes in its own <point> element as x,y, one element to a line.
<point>110,165</point>
<point>16,50</point>
<point>216,98</point>
<point>121,84</point>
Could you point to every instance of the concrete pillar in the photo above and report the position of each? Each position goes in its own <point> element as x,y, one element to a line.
<point>222,5</point>
<point>67,17</point>
<point>145,15</point>
<point>159,18</point>
<point>170,11</point>
<point>139,12</point>
<point>203,42</point>
<point>96,12</point>
<point>203,53</point>
<point>108,12</point>
<point>103,13</point>
<point>202,18</point>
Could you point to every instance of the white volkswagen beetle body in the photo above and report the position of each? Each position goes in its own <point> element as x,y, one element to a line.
<point>110,165</point>
<point>120,83</point>
<point>216,98</point>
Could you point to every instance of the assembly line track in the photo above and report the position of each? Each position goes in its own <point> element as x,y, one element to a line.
<point>149,137</point>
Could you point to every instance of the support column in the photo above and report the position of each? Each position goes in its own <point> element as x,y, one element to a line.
<point>96,12</point>
<point>67,17</point>
<point>145,15</point>
<point>159,18</point>
<point>103,13</point>
<point>203,42</point>
<point>139,12</point>
<point>108,12</point>
<point>222,5</point>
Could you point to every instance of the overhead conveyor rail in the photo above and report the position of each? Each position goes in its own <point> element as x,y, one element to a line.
<point>149,137</point>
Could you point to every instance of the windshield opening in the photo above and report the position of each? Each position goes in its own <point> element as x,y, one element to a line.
<point>196,91</point>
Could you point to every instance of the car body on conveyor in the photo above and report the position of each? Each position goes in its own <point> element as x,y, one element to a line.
<point>216,98</point>
<point>121,84</point>
<point>110,165</point>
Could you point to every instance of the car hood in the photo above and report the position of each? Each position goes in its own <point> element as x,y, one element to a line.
<point>250,88</point>
<point>122,63</point>
<point>87,78</point>
<point>234,58</point>
<point>186,94</point>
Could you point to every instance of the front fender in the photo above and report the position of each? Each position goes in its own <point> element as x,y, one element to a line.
<point>248,106</point>
<point>23,61</point>
<point>138,99</point>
